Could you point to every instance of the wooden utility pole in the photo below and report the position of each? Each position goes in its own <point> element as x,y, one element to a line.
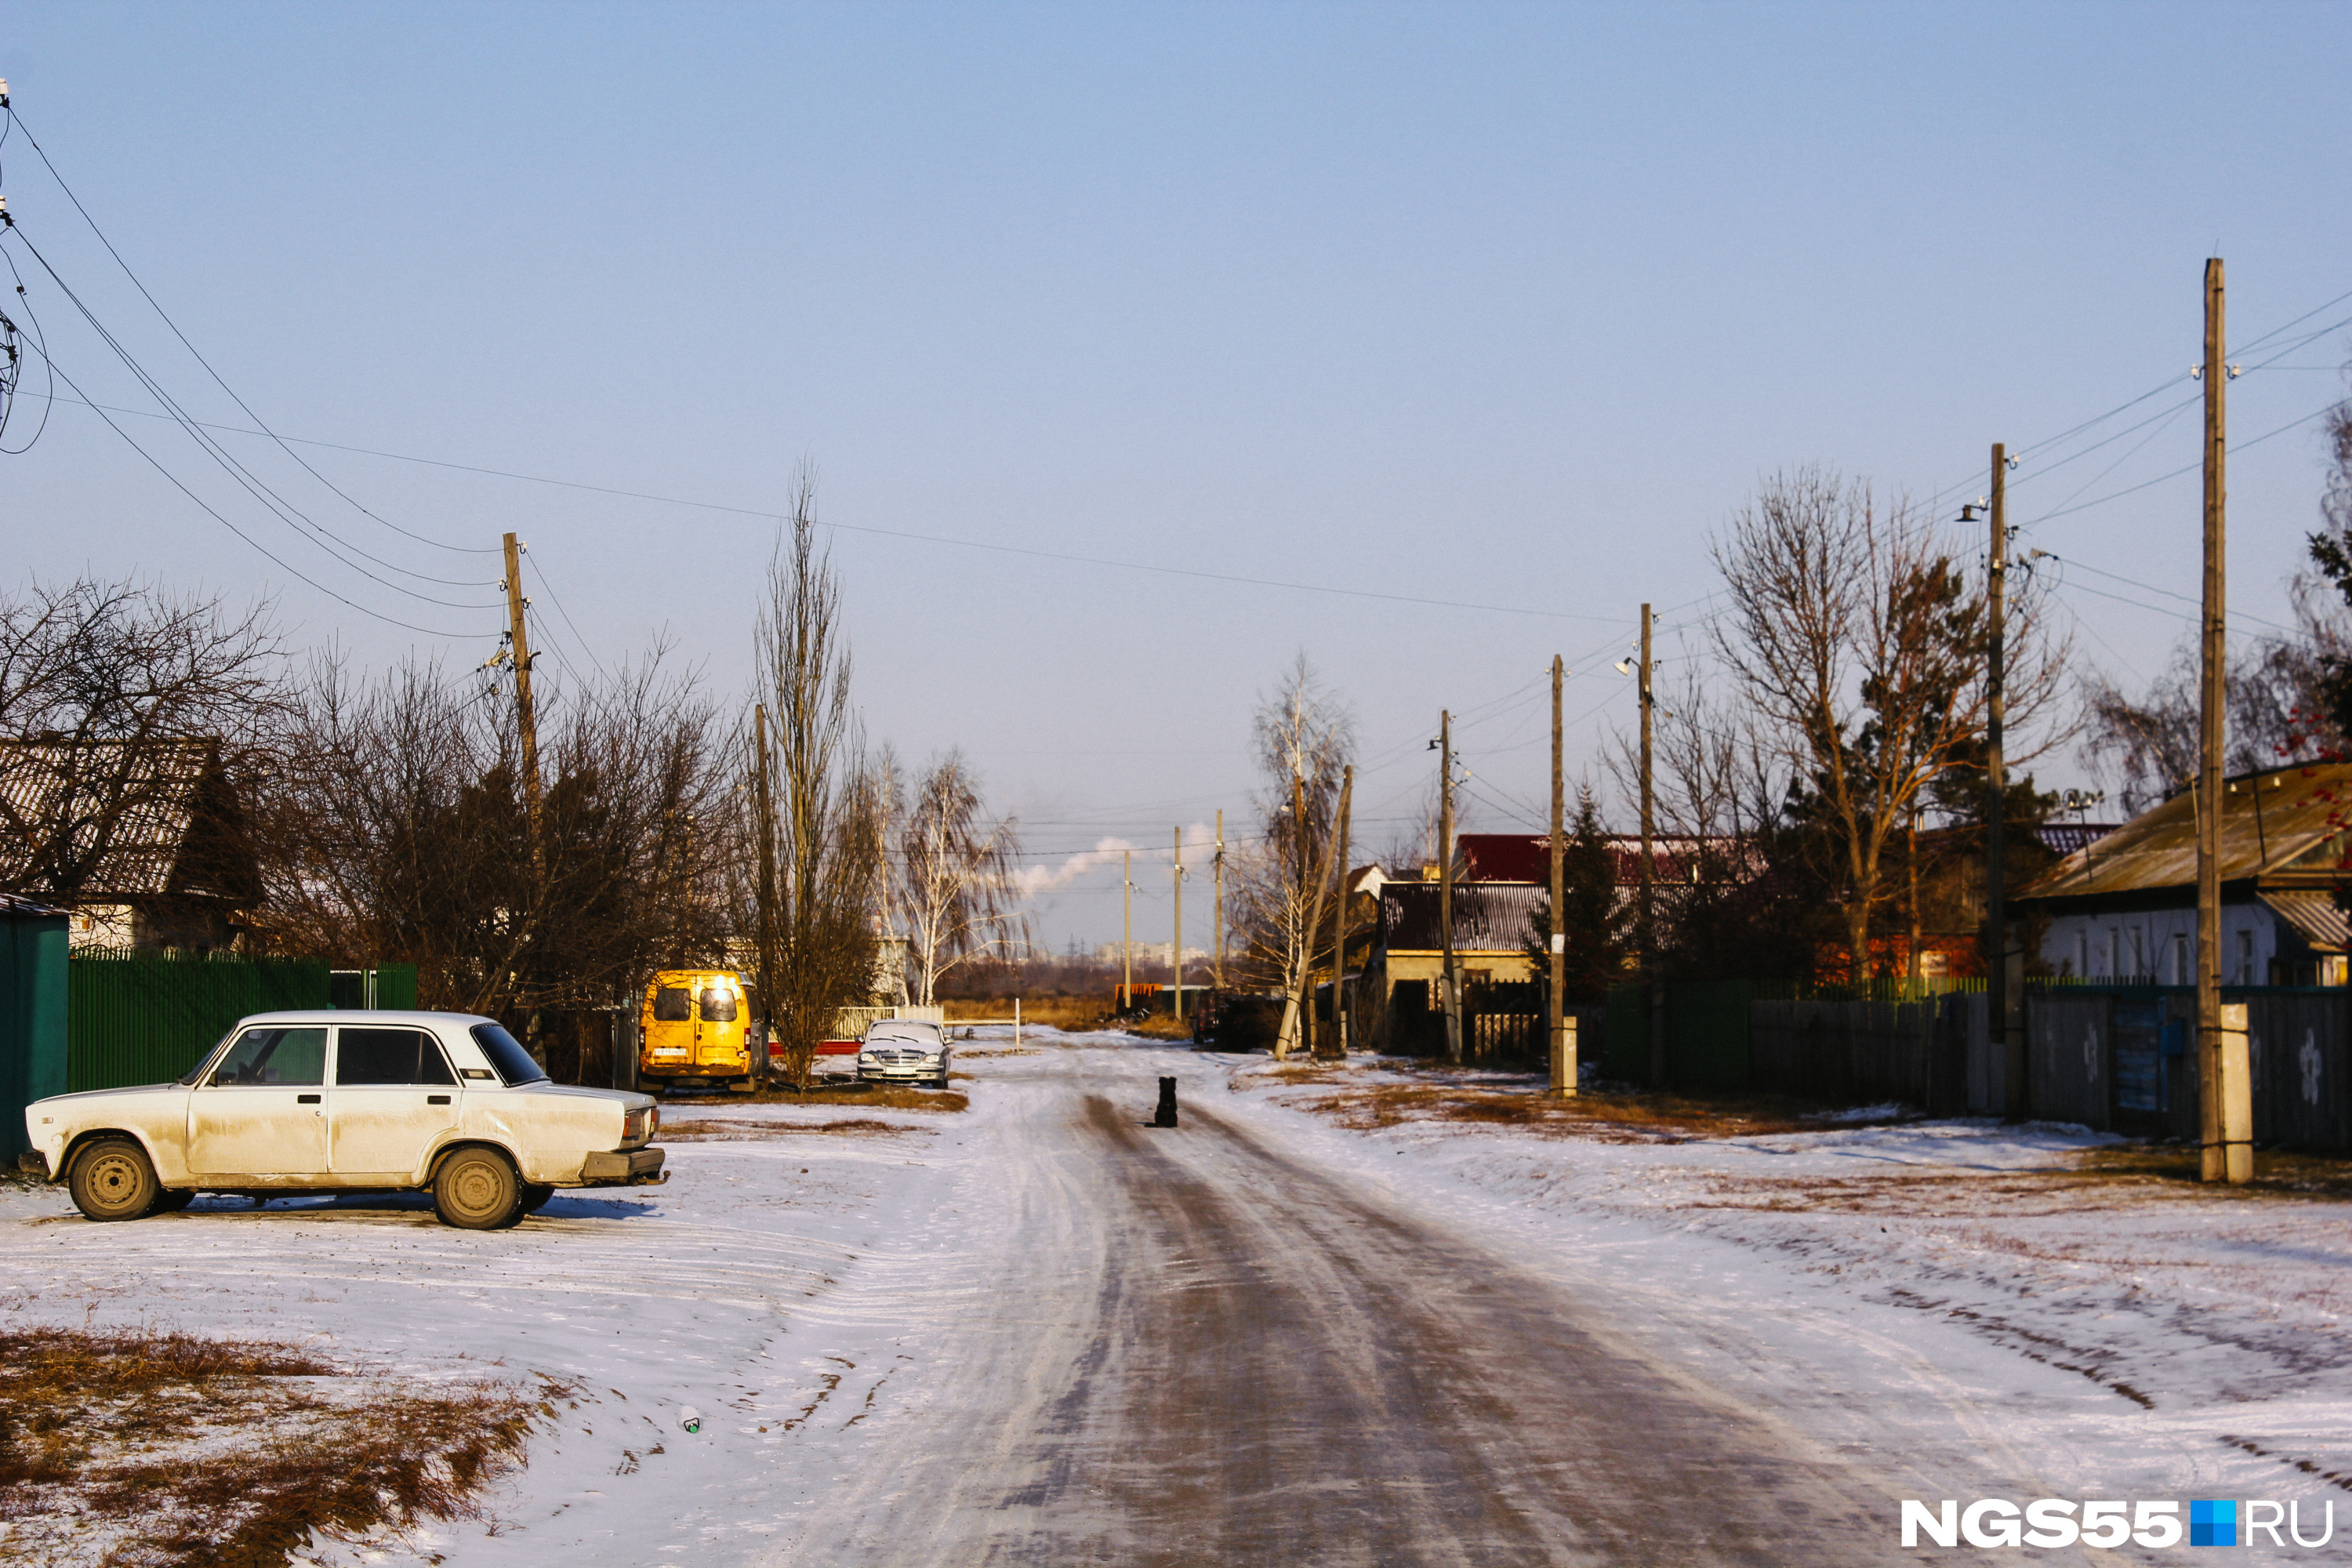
<point>2224,1086</point>
<point>1176,953</point>
<point>1655,991</point>
<point>1296,1029</point>
<point>1302,985</point>
<point>1217,911</point>
<point>526,721</point>
<point>1998,1004</point>
<point>1447,979</point>
<point>1126,929</point>
<point>1339,927</point>
<point>1563,1049</point>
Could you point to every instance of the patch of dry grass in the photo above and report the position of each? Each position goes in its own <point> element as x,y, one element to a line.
<point>717,1131</point>
<point>887,1097</point>
<point>167,1450</point>
<point>1629,1118</point>
<point>1058,1012</point>
<point>2277,1173</point>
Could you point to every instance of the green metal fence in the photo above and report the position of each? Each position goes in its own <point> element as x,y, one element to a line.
<point>139,1018</point>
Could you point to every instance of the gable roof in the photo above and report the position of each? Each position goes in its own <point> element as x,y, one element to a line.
<point>2282,828</point>
<point>128,809</point>
<point>1488,917</point>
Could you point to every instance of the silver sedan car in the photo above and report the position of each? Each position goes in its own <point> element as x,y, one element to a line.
<point>903,1050</point>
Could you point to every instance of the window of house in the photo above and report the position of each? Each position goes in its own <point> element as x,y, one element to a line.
<point>2246,958</point>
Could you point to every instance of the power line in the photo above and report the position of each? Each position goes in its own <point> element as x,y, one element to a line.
<point>283,509</point>
<point>13,120</point>
<point>224,522</point>
<point>1029,552</point>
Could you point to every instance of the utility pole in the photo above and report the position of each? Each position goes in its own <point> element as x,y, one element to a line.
<point>1339,927</point>
<point>1176,953</point>
<point>1126,930</point>
<point>525,721</point>
<point>2224,1082</point>
<point>1998,1003</point>
<point>1447,978</point>
<point>1649,917</point>
<point>764,919</point>
<point>1217,911</point>
<point>1563,1050</point>
<point>1298,1029</point>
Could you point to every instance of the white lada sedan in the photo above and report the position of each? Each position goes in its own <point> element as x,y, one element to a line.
<point>442,1103</point>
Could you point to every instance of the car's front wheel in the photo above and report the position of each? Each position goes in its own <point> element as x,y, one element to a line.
<point>477,1189</point>
<point>112,1179</point>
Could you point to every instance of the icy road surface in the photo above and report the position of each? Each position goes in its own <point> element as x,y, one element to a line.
<point>1044,1332</point>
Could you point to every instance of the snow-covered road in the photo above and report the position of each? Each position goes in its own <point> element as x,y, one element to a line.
<point>1041,1331</point>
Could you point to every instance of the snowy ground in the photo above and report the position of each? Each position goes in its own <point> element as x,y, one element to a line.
<point>1033,1330</point>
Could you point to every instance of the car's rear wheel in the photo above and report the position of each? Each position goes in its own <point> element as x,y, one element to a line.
<point>535,1195</point>
<point>477,1189</point>
<point>112,1179</point>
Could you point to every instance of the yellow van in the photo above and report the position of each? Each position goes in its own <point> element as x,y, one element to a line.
<point>698,1032</point>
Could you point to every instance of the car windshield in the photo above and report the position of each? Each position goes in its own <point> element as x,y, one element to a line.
<point>513,1063</point>
<point>914,1034</point>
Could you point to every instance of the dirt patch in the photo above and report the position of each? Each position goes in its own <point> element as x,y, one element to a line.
<point>157,1449</point>
<point>716,1130</point>
<point>2277,1172</point>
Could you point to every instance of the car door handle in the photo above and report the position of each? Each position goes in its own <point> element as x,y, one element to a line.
<point>306,1100</point>
<point>436,1099</point>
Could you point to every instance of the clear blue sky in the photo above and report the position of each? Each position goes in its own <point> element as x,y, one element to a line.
<point>1493,304</point>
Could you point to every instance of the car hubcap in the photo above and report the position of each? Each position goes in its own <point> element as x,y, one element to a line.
<point>113,1179</point>
<point>478,1188</point>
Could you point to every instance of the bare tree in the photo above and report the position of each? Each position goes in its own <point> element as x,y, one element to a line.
<point>396,828</point>
<point>954,875</point>
<point>1304,736</point>
<point>827,803</point>
<point>93,676</point>
<point>1861,652</point>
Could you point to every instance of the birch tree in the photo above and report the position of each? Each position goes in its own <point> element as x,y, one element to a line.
<point>954,873</point>
<point>1304,736</point>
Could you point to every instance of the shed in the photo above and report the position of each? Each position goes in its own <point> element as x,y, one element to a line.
<point>33,941</point>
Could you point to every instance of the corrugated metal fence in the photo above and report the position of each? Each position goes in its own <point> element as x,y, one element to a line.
<point>143,1018</point>
<point>2115,1058</point>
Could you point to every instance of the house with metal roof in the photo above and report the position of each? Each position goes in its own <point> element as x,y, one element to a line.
<point>2125,907</point>
<point>144,843</point>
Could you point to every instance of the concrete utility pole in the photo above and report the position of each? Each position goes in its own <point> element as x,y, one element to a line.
<point>2000,1007</point>
<point>1176,953</point>
<point>1126,929</point>
<point>1447,978</point>
<point>1649,916</point>
<point>1217,911</point>
<point>1563,1048</point>
<point>1339,928</point>
<point>526,721</point>
<point>2224,1082</point>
